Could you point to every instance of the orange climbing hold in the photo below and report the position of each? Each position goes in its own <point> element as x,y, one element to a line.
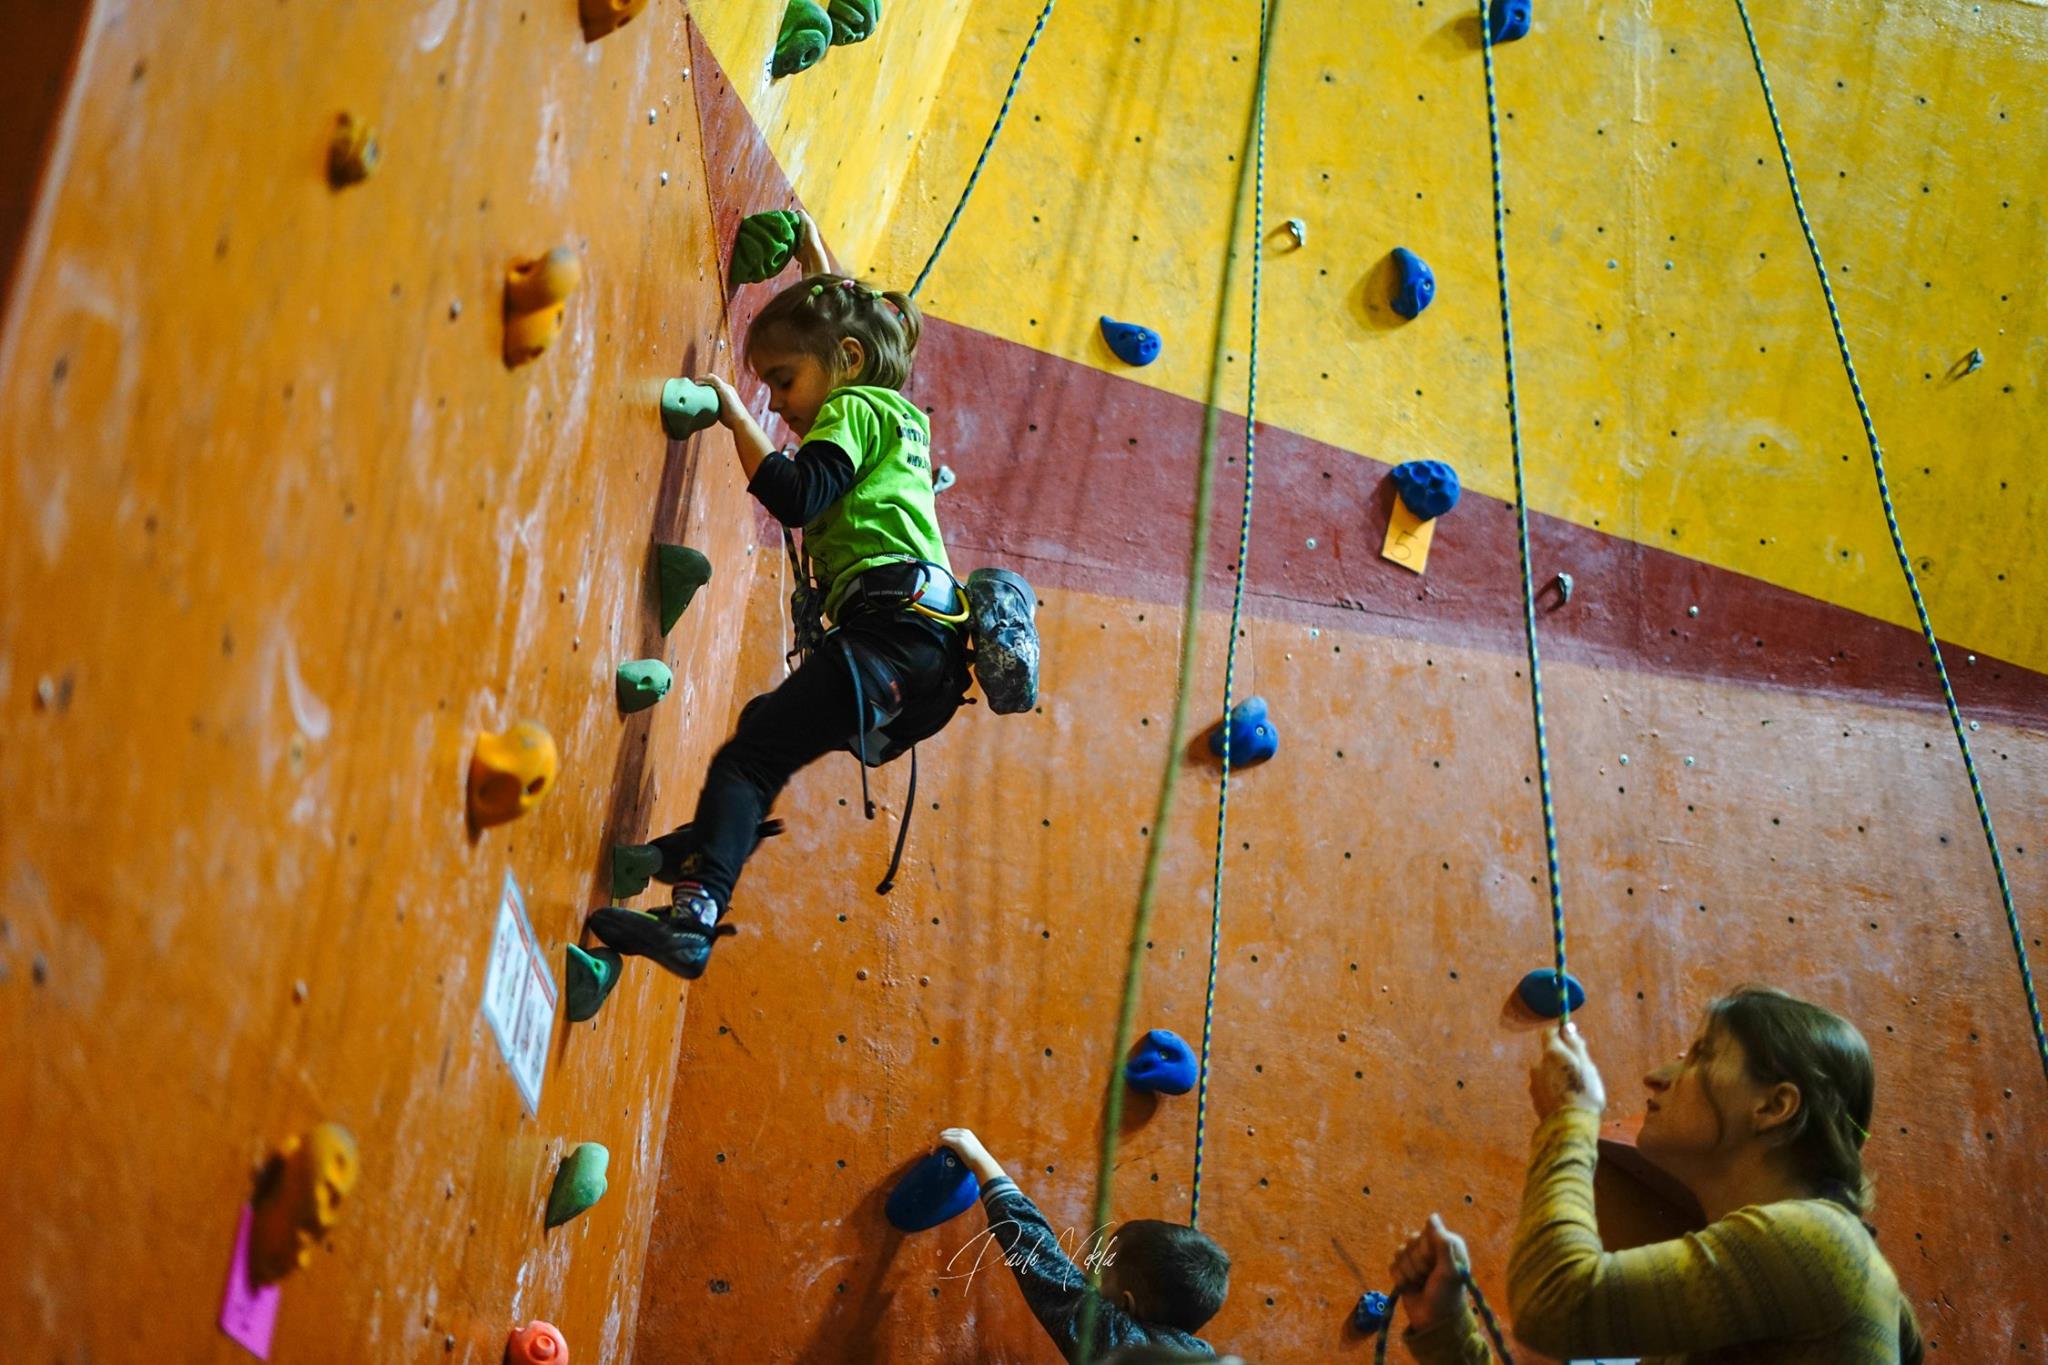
<point>537,1343</point>
<point>298,1200</point>
<point>510,773</point>
<point>536,295</point>
<point>601,17</point>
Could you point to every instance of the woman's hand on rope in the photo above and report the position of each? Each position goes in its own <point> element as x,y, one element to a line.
<point>1429,1273</point>
<point>1564,1074</point>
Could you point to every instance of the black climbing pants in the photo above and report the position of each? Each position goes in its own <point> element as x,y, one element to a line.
<point>906,661</point>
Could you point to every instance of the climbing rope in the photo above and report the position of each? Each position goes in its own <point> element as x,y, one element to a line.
<point>1244,548</point>
<point>1191,617</point>
<point>1002,114</point>
<point>1479,1304</point>
<point>1891,521</point>
<point>1507,338</point>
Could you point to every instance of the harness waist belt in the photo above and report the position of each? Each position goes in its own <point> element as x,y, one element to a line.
<point>898,587</point>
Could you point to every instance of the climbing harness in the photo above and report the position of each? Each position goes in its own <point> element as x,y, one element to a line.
<point>974,176</point>
<point>1191,617</point>
<point>1891,521</point>
<point>1507,337</point>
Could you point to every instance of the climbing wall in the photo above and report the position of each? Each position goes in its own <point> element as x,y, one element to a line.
<point>283,535</point>
<point>1755,780</point>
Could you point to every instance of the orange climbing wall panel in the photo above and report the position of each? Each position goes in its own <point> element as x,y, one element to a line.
<point>1381,902</point>
<point>282,534</point>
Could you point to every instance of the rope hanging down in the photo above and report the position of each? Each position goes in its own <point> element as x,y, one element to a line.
<point>1002,114</point>
<point>1507,339</point>
<point>1891,521</point>
<point>1191,616</point>
<point>1244,549</point>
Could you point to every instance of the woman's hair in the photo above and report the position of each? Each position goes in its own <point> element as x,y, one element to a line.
<point>1786,1039</point>
<point>818,312</point>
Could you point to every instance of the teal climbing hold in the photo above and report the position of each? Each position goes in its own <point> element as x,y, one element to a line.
<point>764,244</point>
<point>633,866</point>
<point>587,978</point>
<point>853,20</point>
<point>679,572</point>
<point>643,682</point>
<point>687,407</point>
<point>806,33</point>
<point>579,1182</point>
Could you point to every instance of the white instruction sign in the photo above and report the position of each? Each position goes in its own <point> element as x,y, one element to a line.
<point>519,996</point>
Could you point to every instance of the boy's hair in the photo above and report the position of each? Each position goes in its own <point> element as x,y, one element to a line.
<point>1176,1275</point>
<point>816,313</point>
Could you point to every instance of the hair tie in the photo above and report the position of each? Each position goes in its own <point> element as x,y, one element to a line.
<point>1862,1133</point>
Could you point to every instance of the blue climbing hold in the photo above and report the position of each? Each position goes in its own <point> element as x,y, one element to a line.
<point>937,1188</point>
<point>1509,19</point>
<point>1429,487</point>
<point>1162,1063</point>
<point>1253,738</point>
<point>1414,283</point>
<point>1373,1312</point>
<point>1134,345</point>
<point>1539,992</point>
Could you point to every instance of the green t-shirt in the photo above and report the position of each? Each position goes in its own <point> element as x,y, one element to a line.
<point>888,515</point>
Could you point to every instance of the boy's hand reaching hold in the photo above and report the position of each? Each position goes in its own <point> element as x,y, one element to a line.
<point>972,1154</point>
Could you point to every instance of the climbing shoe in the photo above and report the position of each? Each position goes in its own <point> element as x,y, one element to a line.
<point>1005,614</point>
<point>679,940</point>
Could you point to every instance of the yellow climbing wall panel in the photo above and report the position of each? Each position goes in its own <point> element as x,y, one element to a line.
<point>844,130</point>
<point>1678,374</point>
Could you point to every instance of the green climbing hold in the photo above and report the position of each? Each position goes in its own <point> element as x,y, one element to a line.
<point>853,20</point>
<point>633,866</point>
<point>643,682</point>
<point>687,407</point>
<point>764,244</point>
<point>680,571</point>
<point>588,977</point>
<point>806,33</point>
<point>579,1182</point>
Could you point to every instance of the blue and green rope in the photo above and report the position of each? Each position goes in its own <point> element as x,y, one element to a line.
<point>1507,338</point>
<point>1191,617</point>
<point>1244,549</point>
<point>1891,521</point>
<point>974,176</point>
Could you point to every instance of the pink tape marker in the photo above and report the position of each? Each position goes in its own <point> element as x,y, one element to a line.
<point>248,1314</point>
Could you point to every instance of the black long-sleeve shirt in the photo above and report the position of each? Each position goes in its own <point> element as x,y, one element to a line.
<point>797,491</point>
<point>1054,1286</point>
